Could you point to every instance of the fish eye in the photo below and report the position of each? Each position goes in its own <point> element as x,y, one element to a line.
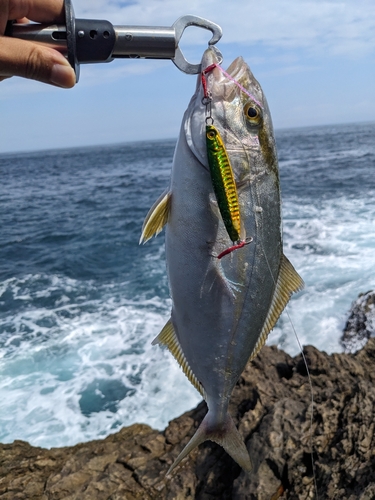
<point>253,113</point>
<point>211,134</point>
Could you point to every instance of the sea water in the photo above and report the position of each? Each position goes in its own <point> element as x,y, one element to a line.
<point>81,301</point>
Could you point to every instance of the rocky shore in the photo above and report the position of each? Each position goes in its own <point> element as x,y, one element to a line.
<point>272,408</point>
<point>361,322</point>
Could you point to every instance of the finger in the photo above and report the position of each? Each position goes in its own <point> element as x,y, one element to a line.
<point>24,20</point>
<point>36,10</point>
<point>30,60</point>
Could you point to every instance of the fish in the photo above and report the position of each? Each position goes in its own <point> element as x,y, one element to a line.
<point>229,279</point>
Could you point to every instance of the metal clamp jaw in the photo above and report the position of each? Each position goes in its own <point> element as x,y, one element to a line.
<point>85,41</point>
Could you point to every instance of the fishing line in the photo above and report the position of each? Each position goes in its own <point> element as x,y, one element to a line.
<point>309,380</point>
<point>207,101</point>
<point>245,91</point>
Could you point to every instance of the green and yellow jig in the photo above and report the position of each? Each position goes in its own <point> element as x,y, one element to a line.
<point>223,183</point>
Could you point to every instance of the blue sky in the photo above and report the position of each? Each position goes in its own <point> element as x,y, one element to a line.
<point>314,59</point>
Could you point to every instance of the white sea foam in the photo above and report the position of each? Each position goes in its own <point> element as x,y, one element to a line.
<point>75,368</point>
<point>90,370</point>
<point>80,367</point>
<point>76,360</point>
<point>332,247</point>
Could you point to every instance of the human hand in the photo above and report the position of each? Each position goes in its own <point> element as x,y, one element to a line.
<point>28,59</point>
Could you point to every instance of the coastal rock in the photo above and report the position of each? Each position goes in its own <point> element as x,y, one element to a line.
<point>271,405</point>
<point>361,322</point>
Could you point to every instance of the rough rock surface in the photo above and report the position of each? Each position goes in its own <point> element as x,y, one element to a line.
<point>361,322</point>
<point>271,405</point>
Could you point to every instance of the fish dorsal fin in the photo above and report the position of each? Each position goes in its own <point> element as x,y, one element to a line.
<point>169,338</point>
<point>156,218</point>
<point>288,282</point>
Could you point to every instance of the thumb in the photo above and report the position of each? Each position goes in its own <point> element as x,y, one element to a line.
<point>30,60</point>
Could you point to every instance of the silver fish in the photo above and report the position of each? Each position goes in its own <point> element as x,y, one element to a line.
<point>222,308</point>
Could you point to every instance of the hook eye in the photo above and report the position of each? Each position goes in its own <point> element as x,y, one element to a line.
<point>179,26</point>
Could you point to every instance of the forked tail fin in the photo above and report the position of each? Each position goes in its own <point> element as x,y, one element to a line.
<point>225,434</point>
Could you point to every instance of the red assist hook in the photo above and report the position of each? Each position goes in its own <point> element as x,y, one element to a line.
<point>206,92</point>
<point>239,244</point>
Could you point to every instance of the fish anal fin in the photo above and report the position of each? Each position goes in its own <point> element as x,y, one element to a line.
<point>156,218</point>
<point>288,282</point>
<point>168,338</point>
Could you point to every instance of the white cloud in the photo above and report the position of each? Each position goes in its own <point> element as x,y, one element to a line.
<point>318,27</point>
<point>94,74</point>
<point>288,70</point>
<point>337,26</point>
<point>296,48</point>
<point>91,75</point>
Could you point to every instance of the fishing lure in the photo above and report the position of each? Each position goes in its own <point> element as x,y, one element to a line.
<point>223,182</point>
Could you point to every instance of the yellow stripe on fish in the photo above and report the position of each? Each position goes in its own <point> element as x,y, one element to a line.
<point>223,182</point>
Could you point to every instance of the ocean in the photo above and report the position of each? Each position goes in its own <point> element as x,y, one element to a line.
<point>81,301</point>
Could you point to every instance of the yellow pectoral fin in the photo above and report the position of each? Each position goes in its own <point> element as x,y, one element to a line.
<point>288,282</point>
<point>168,338</point>
<point>156,218</point>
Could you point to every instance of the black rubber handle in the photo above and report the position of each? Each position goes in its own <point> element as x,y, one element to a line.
<point>88,40</point>
<point>94,40</point>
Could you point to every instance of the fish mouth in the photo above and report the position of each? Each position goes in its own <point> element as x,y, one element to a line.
<point>238,71</point>
<point>228,84</point>
<point>212,56</point>
<point>237,68</point>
